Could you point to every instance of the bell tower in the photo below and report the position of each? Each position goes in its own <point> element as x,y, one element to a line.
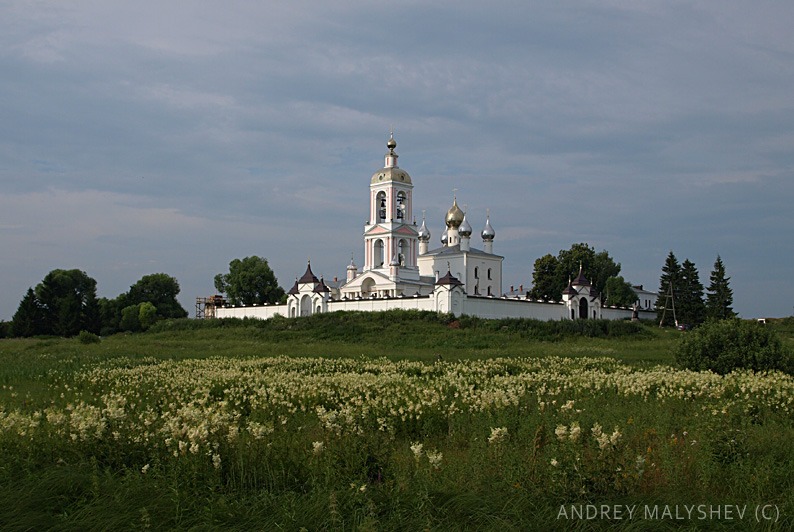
<point>391,239</point>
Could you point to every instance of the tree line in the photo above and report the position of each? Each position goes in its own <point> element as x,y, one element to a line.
<point>65,302</point>
<point>681,298</point>
<point>551,275</point>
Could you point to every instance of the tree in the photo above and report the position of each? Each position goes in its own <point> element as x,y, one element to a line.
<point>719,297</point>
<point>135,318</point>
<point>544,278</point>
<point>619,293</point>
<point>690,306</point>
<point>160,290</point>
<point>551,274</point>
<point>69,304</point>
<point>28,319</point>
<point>249,282</point>
<point>668,297</point>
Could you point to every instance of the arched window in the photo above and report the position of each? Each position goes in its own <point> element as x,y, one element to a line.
<point>401,206</point>
<point>377,257</point>
<point>476,272</point>
<point>367,287</point>
<point>402,247</point>
<point>489,274</point>
<point>380,204</point>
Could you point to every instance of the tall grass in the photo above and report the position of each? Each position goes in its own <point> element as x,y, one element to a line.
<point>294,428</point>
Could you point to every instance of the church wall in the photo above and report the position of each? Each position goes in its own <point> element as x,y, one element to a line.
<point>496,308</point>
<point>484,307</point>
<point>611,313</point>
<point>263,313</point>
<point>381,304</point>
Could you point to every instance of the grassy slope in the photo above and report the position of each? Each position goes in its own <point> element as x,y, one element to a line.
<point>26,366</point>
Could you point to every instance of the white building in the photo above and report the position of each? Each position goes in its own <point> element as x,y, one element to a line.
<point>400,271</point>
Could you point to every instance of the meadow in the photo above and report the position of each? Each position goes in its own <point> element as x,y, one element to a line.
<point>393,421</point>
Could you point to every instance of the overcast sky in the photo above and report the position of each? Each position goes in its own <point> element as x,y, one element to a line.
<point>145,137</point>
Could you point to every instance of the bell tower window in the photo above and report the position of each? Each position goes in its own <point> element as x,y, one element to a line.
<point>400,206</point>
<point>380,203</point>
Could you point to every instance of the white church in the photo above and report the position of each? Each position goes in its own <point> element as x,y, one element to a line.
<point>401,271</point>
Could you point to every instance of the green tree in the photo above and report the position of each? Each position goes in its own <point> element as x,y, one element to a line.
<point>130,318</point>
<point>249,281</point>
<point>691,308</point>
<point>69,304</point>
<point>668,298</point>
<point>719,297</point>
<point>160,290</point>
<point>140,317</point>
<point>549,283</point>
<point>544,278</point>
<point>147,315</point>
<point>29,317</point>
<point>619,293</point>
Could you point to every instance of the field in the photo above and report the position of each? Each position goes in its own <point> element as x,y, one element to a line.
<point>388,421</point>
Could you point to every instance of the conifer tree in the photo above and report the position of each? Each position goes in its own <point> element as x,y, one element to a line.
<point>28,319</point>
<point>671,275</point>
<point>719,297</point>
<point>691,308</point>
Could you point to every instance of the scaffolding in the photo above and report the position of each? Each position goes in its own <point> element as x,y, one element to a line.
<point>205,306</point>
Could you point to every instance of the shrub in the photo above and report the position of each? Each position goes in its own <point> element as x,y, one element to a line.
<point>86,337</point>
<point>725,345</point>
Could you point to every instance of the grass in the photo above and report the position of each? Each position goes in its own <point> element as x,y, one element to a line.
<point>86,443</point>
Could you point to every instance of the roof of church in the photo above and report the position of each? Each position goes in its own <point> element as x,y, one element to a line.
<point>581,280</point>
<point>308,277</point>
<point>570,290</point>
<point>294,290</point>
<point>390,171</point>
<point>449,279</point>
<point>321,288</point>
<point>454,250</point>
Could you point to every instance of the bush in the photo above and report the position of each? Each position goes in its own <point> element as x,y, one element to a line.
<point>86,337</point>
<point>726,345</point>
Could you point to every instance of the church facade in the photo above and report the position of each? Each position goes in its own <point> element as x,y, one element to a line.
<point>400,270</point>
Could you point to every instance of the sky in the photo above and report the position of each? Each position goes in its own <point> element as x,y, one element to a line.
<point>147,137</point>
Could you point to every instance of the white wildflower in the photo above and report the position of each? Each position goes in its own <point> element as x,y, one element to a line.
<point>318,447</point>
<point>417,449</point>
<point>561,431</point>
<point>498,434</point>
<point>575,431</point>
<point>435,457</point>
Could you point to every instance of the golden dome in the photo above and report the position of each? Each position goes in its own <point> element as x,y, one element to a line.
<point>454,215</point>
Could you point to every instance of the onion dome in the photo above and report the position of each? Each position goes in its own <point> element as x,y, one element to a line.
<point>390,170</point>
<point>488,234</point>
<point>352,265</point>
<point>465,229</point>
<point>424,232</point>
<point>454,215</point>
<point>444,237</point>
